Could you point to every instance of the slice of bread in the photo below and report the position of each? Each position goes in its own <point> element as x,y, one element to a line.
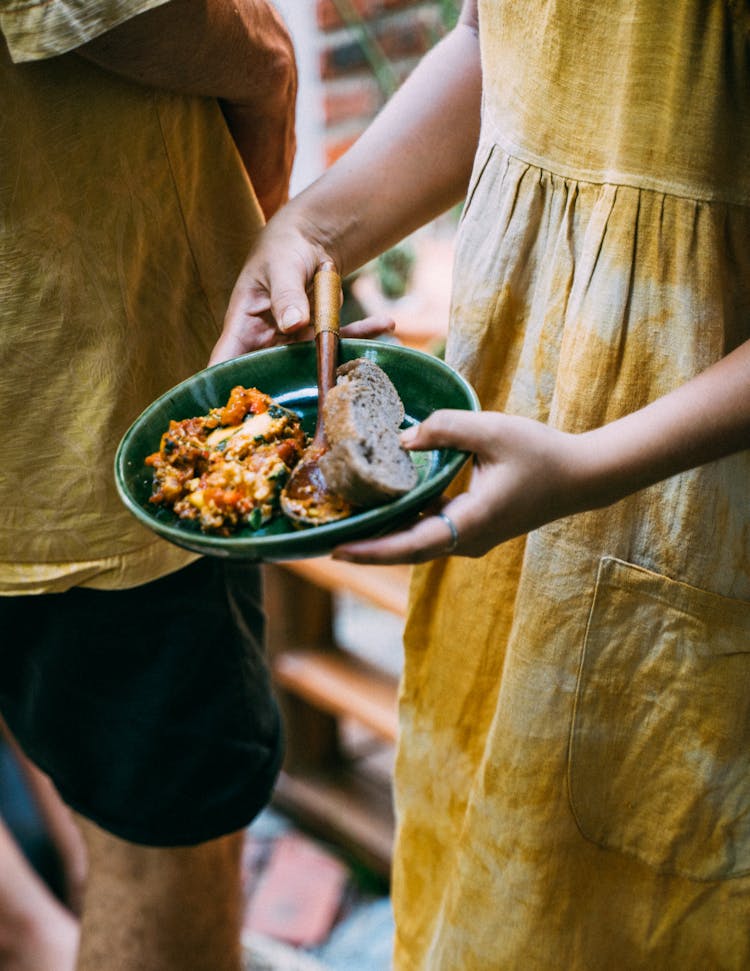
<point>365,462</point>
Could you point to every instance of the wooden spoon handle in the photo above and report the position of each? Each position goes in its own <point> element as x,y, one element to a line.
<point>326,299</point>
<point>326,311</point>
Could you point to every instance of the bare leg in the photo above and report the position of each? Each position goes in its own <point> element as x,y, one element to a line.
<point>36,932</point>
<point>58,822</point>
<point>149,909</point>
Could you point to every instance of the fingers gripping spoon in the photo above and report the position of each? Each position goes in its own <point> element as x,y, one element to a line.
<point>306,499</point>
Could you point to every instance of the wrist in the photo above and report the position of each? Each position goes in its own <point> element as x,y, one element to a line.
<point>625,456</point>
<point>603,474</point>
<point>316,216</point>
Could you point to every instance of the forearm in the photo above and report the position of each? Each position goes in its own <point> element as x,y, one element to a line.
<point>412,163</point>
<point>706,419</point>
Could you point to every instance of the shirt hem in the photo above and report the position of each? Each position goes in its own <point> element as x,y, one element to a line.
<point>111,573</point>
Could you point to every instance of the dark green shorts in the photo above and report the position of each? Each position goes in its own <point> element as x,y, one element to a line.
<point>150,708</point>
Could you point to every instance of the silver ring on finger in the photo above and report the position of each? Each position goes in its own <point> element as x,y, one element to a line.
<point>454,531</point>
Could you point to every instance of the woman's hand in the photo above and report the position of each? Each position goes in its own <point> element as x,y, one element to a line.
<point>270,301</point>
<point>524,474</point>
<point>527,474</point>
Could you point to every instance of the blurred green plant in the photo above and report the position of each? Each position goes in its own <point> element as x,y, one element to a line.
<point>449,11</point>
<point>394,269</point>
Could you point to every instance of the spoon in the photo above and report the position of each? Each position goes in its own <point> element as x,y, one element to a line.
<point>306,498</point>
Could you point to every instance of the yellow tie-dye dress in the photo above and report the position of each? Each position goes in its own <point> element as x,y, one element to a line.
<point>573,776</point>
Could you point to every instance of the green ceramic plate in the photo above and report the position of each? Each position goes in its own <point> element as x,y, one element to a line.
<point>287,373</point>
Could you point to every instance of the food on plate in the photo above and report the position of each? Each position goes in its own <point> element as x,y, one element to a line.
<point>365,462</point>
<point>226,469</point>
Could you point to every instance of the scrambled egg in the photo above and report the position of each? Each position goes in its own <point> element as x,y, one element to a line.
<point>227,468</point>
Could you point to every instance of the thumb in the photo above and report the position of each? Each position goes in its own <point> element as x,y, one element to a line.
<point>289,304</point>
<point>448,428</point>
<point>288,283</point>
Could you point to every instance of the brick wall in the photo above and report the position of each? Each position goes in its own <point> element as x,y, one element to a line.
<point>366,48</point>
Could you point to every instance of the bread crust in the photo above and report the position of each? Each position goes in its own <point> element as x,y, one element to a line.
<point>365,462</point>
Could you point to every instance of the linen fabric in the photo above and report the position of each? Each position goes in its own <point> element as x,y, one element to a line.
<point>573,771</point>
<point>35,30</point>
<point>125,217</point>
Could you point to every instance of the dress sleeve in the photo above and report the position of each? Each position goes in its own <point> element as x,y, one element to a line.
<point>37,29</point>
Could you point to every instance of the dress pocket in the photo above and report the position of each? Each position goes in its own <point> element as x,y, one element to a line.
<point>659,761</point>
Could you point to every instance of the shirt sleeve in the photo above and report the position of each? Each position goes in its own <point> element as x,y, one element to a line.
<point>37,29</point>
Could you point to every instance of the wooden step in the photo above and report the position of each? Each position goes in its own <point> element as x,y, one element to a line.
<point>384,586</point>
<point>341,685</point>
<point>345,808</point>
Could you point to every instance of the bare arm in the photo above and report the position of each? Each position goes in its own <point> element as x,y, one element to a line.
<point>238,52</point>
<point>411,164</point>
